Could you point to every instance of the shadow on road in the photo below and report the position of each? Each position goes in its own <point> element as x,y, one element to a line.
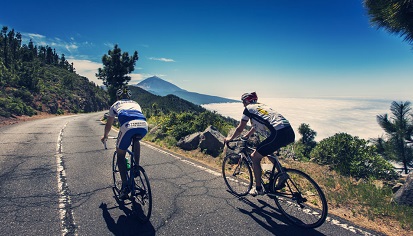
<point>265,215</point>
<point>126,224</point>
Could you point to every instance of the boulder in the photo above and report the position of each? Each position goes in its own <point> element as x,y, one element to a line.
<point>156,132</point>
<point>396,187</point>
<point>211,141</point>
<point>253,141</point>
<point>404,196</point>
<point>189,142</point>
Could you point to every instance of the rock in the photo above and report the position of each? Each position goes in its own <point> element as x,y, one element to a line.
<point>212,141</point>
<point>253,141</point>
<point>156,132</point>
<point>396,187</point>
<point>189,142</point>
<point>404,196</point>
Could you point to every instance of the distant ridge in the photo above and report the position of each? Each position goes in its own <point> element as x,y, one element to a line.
<point>158,86</point>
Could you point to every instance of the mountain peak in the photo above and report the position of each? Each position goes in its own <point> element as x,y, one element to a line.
<point>158,86</point>
<point>153,78</point>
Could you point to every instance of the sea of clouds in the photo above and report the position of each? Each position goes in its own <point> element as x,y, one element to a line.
<point>326,116</point>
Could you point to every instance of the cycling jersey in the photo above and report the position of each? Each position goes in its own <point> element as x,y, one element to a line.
<point>126,106</point>
<point>264,119</point>
<point>132,121</point>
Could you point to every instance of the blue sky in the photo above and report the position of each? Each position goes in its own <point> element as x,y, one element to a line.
<point>279,48</point>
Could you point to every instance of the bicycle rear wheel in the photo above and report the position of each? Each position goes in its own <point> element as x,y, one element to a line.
<point>117,181</point>
<point>237,174</point>
<point>142,196</point>
<point>301,200</point>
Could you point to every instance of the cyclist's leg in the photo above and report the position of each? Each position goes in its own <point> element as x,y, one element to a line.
<point>136,151</point>
<point>122,144</point>
<point>137,128</point>
<point>120,155</point>
<point>265,148</point>
<point>256,167</point>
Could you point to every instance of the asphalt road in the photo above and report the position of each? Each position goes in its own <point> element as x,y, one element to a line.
<point>55,179</point>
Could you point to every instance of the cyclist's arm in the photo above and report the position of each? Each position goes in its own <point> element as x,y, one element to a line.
<point>252,130</point>
<point>238,131</point>
<point>108,126</point>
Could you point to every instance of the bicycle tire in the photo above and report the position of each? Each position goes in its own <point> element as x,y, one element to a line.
<point>237,174</point>
<point>301,200</point>
<point>117,181</point>
<point>142,197</point>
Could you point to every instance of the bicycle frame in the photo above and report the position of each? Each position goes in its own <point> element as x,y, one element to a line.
<point>133,162</point>
<point>136,179</point>
<point>296,194</point>
<point>277,168</point>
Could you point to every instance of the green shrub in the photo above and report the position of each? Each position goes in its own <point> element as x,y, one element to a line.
<point>352,156</point>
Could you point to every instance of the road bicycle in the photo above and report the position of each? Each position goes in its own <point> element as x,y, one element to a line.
<point>140,195</point>
<point>299,198</point>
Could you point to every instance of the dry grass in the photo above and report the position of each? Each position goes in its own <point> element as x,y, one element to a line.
<point>17,119</point>
<point>344,195</point>
<point>337,189</point>
<point>341,204</point>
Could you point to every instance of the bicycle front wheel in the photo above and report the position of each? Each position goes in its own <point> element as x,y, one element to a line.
<point>301,200</point>
<point>117,181</point>
<point>142,196</point>
<point>237,174</point>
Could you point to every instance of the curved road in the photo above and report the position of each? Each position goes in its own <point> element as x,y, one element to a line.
<point>55,179</point>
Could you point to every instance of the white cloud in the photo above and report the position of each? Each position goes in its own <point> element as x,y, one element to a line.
<point>57,43</point>
<point>34,36</point>
<point>326,116</point>
<point>110,45</point>
<point>71,47</point>
<point>87,69</point>
<point>161,59</point>
<point>135,78</point>
<point>83,67</point>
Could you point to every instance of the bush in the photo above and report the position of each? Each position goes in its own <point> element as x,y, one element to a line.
<point>301,150</point>
<point>352,156</point>
<point>24,94</point>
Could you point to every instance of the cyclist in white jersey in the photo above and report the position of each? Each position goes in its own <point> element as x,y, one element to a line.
<point>132,122</point>
<point>270,124</point>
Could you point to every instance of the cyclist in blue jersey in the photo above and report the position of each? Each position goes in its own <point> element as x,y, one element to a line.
<point>131,122</point>
<point>270,124</point>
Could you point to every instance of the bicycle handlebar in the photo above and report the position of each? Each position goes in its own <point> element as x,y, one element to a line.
<point>244,141</point>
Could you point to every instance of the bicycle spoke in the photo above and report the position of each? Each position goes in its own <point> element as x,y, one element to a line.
<point>237,174</point>
<point>117,181</point>
<point>301,200</point>
<point>142,197</point>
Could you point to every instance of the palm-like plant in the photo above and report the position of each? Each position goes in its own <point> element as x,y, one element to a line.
<point>399,129</point>
<point>394,15</point>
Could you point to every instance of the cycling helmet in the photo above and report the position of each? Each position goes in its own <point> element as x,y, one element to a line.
<point>124,93</point>
<point>249,97</point>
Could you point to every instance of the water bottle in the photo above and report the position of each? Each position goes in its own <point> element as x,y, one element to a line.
<point>127,164</point>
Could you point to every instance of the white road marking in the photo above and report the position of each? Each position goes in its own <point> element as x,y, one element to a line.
<point>66,215</point>
<point>329,219</point>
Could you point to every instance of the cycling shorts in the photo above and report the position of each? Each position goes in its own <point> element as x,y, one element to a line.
<point>130,126</point>
<point>278,139</point>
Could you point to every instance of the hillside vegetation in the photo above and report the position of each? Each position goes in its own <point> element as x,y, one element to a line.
<point>356,179</point>
<point>35,79</point>
<point>158,86</point>
<point>173,118</point>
